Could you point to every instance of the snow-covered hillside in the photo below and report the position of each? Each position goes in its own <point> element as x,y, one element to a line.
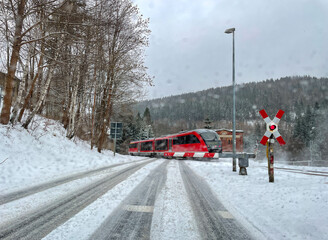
<point>43,153</point>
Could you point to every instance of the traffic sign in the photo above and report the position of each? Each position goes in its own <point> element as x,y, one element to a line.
<point>116,130</point>
<point>272,127</point>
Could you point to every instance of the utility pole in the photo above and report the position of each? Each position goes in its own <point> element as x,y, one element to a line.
<point>228,31</point>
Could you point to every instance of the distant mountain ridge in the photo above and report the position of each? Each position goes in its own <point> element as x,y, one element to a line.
<point>291,94</point>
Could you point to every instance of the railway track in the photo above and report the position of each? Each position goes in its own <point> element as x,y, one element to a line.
<point>132,220</point>
<point>44,186</point>
<point>38,224</point>
<point>213,220</point>
<point>305,172</point>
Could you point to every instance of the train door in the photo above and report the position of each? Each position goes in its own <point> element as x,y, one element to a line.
<point>139,145</point>
<point>170,144</point>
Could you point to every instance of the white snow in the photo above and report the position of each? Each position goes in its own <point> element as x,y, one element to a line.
<point>83,224</point>
<point>173,217</point>
<point>26,205</point>
<point>293,207</point>
<point>43,153</point>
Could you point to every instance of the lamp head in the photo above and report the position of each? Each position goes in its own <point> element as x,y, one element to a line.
<point>229,30</point>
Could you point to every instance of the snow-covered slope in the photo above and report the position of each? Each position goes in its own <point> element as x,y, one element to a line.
<point>43,153</point>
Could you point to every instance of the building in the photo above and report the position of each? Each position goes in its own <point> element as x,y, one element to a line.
<point>226,138</point>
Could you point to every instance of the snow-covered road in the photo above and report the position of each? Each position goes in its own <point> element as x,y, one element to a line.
<point>86,207</point>
<point>39,222</point>
<point>172,199</point>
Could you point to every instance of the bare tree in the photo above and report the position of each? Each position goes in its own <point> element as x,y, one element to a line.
<point>19,19</point>
<point>82,59</point>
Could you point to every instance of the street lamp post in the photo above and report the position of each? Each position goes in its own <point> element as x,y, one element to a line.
<point>228,31</point>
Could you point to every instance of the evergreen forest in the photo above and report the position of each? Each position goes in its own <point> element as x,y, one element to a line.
<point>303,98</point>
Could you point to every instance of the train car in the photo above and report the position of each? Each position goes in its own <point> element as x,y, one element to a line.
<point>142,148</point>
<point>200,143</point>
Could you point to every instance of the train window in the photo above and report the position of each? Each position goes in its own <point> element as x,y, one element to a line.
<point>179,140</point>
<point>191,139</point>
<point>161,144</point>
<point>210,136</point>
<point>133,145</point>
<point>146,146</point>
<point>188,139</point>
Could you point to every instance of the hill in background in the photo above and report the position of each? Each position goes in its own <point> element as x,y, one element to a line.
<point>303,98</point>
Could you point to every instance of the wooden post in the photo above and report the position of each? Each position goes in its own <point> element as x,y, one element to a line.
<point>271,159</point>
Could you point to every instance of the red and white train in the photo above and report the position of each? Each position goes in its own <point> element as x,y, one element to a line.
<point>200,143</point>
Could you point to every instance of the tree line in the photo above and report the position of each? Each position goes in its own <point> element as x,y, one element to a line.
<point>303,98</point>
<point>79,61</point>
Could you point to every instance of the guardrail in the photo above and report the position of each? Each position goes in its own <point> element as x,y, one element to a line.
<point>316,163</point>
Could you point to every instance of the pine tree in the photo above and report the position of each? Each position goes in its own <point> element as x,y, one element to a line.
<point>139,123</point>
<point>147,117</point>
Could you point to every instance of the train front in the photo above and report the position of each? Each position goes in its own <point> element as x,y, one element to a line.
<point>212,140</point>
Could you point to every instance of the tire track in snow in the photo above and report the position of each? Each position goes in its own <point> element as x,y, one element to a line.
<point>133,218</point>
<point>214,221</point>
<point>173,217</point>
<point>41,222</point>
<point>44,186</point>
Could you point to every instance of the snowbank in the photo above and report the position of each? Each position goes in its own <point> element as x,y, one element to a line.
<point>43,153</point>
<point>293,207</point>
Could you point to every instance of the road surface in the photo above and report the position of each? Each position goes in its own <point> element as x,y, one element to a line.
<point>132,219</point>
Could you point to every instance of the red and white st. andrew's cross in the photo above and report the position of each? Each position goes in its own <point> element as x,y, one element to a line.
<point>272,127</point>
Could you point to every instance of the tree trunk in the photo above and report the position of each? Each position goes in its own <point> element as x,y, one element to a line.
<point>42,97</point>
<point>29,95</point>
<point>106,119</point>
<point>71,124</point>
<point>17,104</point>
<point>93,107</point>
<point>5,112</point>
<point>45,88</point>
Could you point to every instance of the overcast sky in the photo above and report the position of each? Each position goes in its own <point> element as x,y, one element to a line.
<point>189,50</point>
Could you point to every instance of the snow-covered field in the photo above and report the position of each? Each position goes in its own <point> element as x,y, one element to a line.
<point>293,207</point>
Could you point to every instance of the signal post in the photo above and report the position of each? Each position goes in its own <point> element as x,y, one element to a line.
<point>267,139</point>
<point>270,159</point>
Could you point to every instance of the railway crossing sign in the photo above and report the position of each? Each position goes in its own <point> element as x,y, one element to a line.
<point>272,130</point>
<point>272,127</point>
